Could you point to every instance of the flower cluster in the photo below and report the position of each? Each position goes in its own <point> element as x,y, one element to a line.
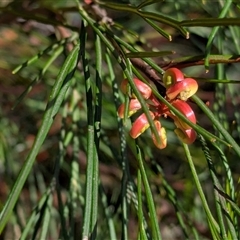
<point>178,90</point>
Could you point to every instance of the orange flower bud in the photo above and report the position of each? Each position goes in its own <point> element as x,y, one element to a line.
<point>134,106</point>
<point>172,76</point>
<point>143,88</point>
<point>140,125</point>
<point>183,90</point>
<point>187,136</point>
<point>162,135</point>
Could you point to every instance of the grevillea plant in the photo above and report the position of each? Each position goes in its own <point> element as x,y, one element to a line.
<point>64,149</point>
<point>178,90</point>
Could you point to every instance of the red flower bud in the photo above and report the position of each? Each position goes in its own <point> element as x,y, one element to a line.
<point>183,90</point>
<point>186,110</point>
<point>140,125</point>
<point>143,88</point>
<point>172,76</point>
<point>134,106</point>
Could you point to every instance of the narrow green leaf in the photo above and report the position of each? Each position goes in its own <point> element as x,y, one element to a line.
<point>124,204</point>
<point>56,97</point>
<point>123,157</point>
<point>163,19</point>
<point>214,180</point>
<point>41,53</point>
<point>213,224</point>
<point>46,219</point>
<point>143,235</point>
<point>97,131</point>
<point>91,196</point>
<point>158,29</point>
<point>234,206</point>
<point>230,190</point>
<point>235,33</point>
<point>33,218</point>
<point>229,81</point>
<point>108,215</point>
<point>41,74</point>
<point>149,198</point>
<point>147,3</point>
<point>150,15</point>
<point>98,106</point>
<point>210,22</point>
<point>147,54</point>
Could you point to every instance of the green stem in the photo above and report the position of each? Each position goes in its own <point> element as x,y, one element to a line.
<point>149,198</point>
<point>211,220</point>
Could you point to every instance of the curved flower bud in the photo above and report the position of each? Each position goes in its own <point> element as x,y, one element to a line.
<point>143,88</point>
<point>172,76</point>
<point>134,106</point>
<point>187,136</point>
<point>162,135</point>
<point>155,101</point>
<point>183,90</point>
<point>186,110</point>
<point>140,125</point>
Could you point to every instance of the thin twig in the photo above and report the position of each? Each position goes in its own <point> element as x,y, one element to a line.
<point>198,60</point>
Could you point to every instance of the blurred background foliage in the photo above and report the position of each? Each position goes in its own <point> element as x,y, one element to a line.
<point>52,202</point>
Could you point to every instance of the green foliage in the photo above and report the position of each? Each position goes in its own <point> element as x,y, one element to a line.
<point>69,168</point>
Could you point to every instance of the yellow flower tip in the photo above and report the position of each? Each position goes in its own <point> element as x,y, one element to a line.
<point>183,90</point>
<point>187,136</point>
<point>172,76</point>
<point>190,89</point>
<point>140,125</point>
<point>162,135</point>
